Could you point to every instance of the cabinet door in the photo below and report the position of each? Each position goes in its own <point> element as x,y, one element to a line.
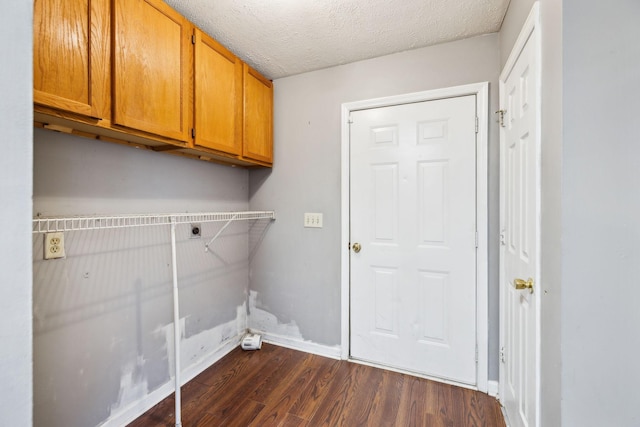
<point>71,56</point>
<point>218,96</point>
<point>152,50</point>
<point>258,117</point>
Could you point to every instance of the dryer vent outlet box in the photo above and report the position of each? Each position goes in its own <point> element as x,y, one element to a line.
<point>251,342</point>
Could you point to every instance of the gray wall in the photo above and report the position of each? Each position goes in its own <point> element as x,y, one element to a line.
<point>551,233</point>
<point>511,25</point>
<point>601,214</point>
<point>102,317</point>
<point>296,277</point>
<point>15,213</point>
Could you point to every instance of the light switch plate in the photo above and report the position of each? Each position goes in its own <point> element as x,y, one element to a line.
<point>313,220</point>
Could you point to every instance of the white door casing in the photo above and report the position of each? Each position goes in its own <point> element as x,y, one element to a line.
<point>520,228</point>
<point>403,179</point>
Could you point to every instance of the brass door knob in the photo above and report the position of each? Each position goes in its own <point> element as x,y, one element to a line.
<point>357,247</point>
<point>524,284</point>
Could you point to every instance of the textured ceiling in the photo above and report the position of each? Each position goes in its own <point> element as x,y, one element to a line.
<point>285,37</point>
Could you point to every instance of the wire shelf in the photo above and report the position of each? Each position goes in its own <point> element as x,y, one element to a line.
<point>78,223</point>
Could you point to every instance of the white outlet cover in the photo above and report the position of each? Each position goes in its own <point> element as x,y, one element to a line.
<point>54,245</point>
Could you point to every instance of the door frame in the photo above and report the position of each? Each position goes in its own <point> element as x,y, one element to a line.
<point>481,91</point>
<point>530,30</point>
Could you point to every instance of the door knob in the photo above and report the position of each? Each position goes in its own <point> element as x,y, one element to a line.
<point>356,247</point>
<point>524,284</point>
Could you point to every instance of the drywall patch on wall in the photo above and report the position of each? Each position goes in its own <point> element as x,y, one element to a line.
<point>133,384</point>
<point>286,334</point>
<point>195,347</point>
<point>260,320</point>
<point>195,351</point>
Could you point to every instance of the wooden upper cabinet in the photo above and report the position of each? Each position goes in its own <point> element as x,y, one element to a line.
<point>218,96</point>
<point>71,51</point>
<point>152,69</point>
<point>257,132</point>
<point>138,72</point>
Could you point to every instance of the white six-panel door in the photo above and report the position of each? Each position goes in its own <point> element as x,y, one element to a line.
<point>413,214</point>
<point>520,213</point>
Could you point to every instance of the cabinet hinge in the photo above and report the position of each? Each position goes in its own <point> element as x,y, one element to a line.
<point>477,124</point>
<point>500,114</point>
<point>193,39</point>
<point>193,132</point>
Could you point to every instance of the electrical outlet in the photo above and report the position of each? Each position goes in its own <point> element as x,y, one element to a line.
<point>54,245</point>
<point>313,220</point>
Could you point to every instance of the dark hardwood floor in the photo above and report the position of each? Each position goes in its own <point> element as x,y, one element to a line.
<point>277,386</point>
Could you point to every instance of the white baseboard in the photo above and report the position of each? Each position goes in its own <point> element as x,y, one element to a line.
<point>135,409</point>
<point>197,368</point>
<point>492,388</point>
<point>300,345</point>
<point>504,415</point>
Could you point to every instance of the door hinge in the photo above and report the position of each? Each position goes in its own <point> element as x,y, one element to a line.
<point>193,39</point>
<point>502,358</point>
<point>503,238</point>
<point>477,240</point>
<point>476,354</point>
<point>349,120</point>
<point>500,114</point>
<point>193,132</point>
<point>477,124</point>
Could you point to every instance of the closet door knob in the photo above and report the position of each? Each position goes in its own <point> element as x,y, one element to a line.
<point>357,247</point>
<point>520,284</point>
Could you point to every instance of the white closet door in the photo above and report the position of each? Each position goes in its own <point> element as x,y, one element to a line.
<point>413,213</point>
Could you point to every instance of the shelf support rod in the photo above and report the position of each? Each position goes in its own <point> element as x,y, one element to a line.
<point>213,239</point>
<point>176,321</point>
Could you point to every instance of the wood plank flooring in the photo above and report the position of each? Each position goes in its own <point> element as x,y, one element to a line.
<point>280,387</point>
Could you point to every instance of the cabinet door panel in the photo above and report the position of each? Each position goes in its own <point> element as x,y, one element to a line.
<point>71,55</point>
<point>151,68</point>
<point>258,117</point>
<point>218,96</point>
